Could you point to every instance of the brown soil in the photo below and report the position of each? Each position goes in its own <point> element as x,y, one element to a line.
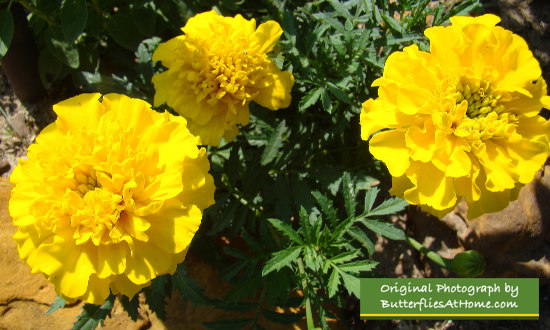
<point>21,122</point>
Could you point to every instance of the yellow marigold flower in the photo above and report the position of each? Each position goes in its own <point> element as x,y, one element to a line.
<point>110,196</point>
<point>461,120</point>
<point>215,69</point>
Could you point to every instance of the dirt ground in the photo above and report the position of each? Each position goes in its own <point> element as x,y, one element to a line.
<point>20,123</point>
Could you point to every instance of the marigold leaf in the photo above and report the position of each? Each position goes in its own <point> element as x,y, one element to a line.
<point>6,30</point>
<point>349,194</point>
<point>286,230</point>
<point>58,303</point>
<point>342,228</point>
<point>393,23</point>
<point>131,306</point>
<point>155,295</point>
<point>281,259</point>
<point>310,98</point>
<point>362,237</point>
<point>384,228</point>
<point>326,206</point>
<point>74,15</point>
<point>344,257</point>
<point>358,266</point>
<point>333,282</point>
<point>274,144</point>
<point>340,94</point>
<point>188,287</point>
<point>326,101</point>
<point>341,9</point>
<point>370,197</point>
<point>389,206</point>
<point>92,315</point>
<point>351,283</point>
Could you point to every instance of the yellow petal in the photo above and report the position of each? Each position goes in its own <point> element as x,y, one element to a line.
<point>147,262</point>
<point>266,36</point>
<point>81,112</point>
<point>179,227</point>
<point>98,290</point>
<point>111,259</point>
<point>389,147</point>
<point>277,94</point>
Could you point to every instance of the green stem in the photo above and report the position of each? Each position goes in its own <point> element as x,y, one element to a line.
<point>443,262</point>
<point>309,315</point>
<point>39,13</point>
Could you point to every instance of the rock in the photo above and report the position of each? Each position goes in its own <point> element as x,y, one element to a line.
<point>515,242</point>
<point>25,297</point>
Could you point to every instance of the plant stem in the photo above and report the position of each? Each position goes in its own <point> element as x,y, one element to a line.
<point>443,262</point>
<point>39,13</point>
<point>309,315</point>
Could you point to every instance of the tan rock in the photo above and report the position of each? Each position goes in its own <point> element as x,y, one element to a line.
<point>24,297</point>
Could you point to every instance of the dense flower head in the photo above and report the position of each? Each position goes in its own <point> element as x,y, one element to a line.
<point>110,196</point>
<point>215,69</point>
<point>460,121</point>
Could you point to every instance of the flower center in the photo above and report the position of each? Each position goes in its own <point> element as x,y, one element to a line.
<point>86,182</point>
<point>223,72</point>
<point>480,95</point>
<point>98,212</point>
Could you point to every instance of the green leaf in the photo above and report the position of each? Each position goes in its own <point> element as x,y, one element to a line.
<point>286,230</point>
<point>93,315</point>
<point>326,101</point>
<point>188,287</point>
<point>282,318</point>
<point>288,26</point>
<point>155,295</point>
<point>58,303</point>
<point>144,52</point>
<point>358,266</point>
<point>326,206</point>
<point>340,94</point>
<point>60,48</point>
<point>131,306</point>
<point>389,206</point>
<point>384,228</point>
<point>341,9</point>
<point>393,23</point>
<point>233,165</point>
<point>333,282</point>
<point>228,324</point>
<point>49,68</point>
<point>305,226</point>
<point>74,15</point>
<point>310,98</point>
<point>6,31</point>
<point>274,144</point>
<point>281,259</point>
<point>344,257</point>
<point>349,194</point>
<point>123,29</point>
<point>360,236</point>
<point>351,283</point>
<point>370,197</point>
<point>342,228</point>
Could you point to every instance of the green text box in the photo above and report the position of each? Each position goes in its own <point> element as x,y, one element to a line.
<point>449,298</point>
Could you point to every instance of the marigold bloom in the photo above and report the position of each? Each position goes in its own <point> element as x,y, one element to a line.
<point>461,120</point>
<point>110,196</point>
<point>216,69</point>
